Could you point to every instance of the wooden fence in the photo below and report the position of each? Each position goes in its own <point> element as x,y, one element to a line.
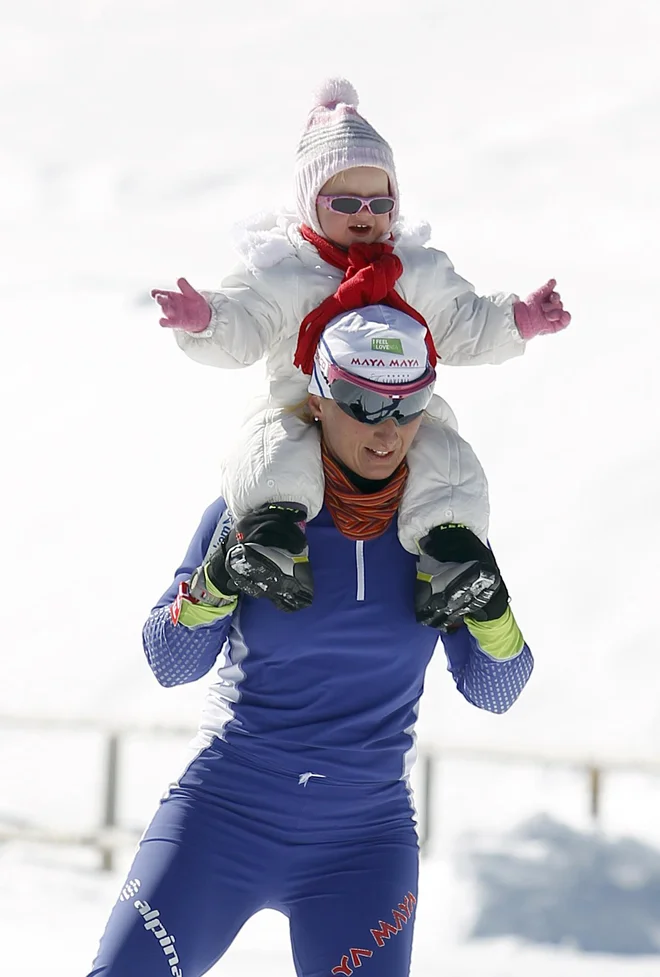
<point>109,835</point>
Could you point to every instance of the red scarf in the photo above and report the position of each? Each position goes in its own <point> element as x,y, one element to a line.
<point>370,274</point>
<point>354,513</point>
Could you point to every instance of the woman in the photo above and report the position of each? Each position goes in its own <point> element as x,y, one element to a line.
<point>298,798</point>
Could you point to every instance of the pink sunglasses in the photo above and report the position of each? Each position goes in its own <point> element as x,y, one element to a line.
<point>343,203</point>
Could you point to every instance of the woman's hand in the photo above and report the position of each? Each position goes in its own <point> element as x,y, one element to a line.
<point>187,309</point>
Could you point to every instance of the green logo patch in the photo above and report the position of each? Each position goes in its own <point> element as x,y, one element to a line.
<point>387,345</point>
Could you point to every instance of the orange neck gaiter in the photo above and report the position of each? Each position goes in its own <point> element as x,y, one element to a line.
<point>356,514</point>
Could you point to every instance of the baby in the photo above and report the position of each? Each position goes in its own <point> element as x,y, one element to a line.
<point>346,248</point>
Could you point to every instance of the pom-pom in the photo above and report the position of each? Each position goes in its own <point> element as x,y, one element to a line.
<point>335,90</point>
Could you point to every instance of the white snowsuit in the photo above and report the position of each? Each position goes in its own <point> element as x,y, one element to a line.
<point>257,313</point>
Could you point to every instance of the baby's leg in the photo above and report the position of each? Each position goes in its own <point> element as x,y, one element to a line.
<point>273,484</point>
<point>277,459</point>
<point>446,484</point>
<point>444,518</point>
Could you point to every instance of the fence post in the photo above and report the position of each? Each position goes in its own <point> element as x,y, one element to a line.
<point>595,792</point>
<point>110,799</point>
<point>427,803</point>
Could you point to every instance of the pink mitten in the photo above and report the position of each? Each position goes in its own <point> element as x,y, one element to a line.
<point>541,312</point>
<point>186,309</point>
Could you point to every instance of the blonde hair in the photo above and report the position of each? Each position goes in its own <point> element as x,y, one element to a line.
<point>339,180</point>
<point>302,410</point>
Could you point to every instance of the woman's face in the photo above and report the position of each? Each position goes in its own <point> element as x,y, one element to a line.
<point>370,450</point>
<point>347,229</point>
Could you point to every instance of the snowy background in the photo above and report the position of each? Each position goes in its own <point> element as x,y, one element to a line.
<point>133,135</point>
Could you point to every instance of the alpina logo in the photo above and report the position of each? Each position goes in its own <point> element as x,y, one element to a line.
<point>130,890</point>
<point>152,923</point>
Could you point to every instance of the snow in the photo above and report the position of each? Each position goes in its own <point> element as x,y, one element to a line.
<point>134,135</point>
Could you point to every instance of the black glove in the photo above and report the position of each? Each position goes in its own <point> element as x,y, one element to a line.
<point>217,573</point>
<point>267,556</point>
<point>273,524</point>
<point>456,544</point>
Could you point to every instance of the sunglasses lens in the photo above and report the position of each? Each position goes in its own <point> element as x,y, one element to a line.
<point>382,205</point>
<point>368,407</point>
<point>346,205</point>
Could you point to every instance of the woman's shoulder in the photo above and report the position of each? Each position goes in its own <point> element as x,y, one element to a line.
<point>215,514</point>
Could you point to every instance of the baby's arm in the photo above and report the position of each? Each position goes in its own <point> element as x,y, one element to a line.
<point>470,329</point>
<point>230,328</point>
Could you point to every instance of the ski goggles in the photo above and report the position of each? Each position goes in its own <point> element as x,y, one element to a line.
<point>370,402</point>
<point>343,203</point>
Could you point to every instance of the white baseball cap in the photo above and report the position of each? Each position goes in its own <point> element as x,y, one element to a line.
<point>376,343</point>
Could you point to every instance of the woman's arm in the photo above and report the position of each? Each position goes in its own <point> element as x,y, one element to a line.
<point>490,679</point>
<point>182,639</point>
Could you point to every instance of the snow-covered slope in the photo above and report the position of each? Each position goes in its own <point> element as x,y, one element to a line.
<point>133,135</point>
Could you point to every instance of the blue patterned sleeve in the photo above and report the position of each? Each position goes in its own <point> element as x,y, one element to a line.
<point>178,654</point>
<point>484,681</point>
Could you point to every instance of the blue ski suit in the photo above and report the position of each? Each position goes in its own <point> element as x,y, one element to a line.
<point>298,797</point>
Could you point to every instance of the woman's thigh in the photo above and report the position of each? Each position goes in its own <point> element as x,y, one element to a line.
<point>195,880</point>
<point>353,908</point>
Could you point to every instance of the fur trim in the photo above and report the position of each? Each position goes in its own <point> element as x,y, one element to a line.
<point>262,240</point>
<point>269,237</point>
<point>411,235</point>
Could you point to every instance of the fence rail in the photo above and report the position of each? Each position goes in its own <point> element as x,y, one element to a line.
<point>110,835</point>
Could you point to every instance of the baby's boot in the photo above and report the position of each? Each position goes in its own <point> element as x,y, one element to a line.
<point>457,577</point>
<point>268,556</point>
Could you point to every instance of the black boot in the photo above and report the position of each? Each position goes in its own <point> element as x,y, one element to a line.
<point>457,577</point>
<point>268,556</point>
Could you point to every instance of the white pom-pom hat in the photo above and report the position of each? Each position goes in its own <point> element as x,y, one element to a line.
<point>336,138</point>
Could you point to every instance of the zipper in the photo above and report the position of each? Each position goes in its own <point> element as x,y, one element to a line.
<point>359,563</point>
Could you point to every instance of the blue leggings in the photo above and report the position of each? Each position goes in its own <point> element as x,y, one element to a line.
<point>340,860</point>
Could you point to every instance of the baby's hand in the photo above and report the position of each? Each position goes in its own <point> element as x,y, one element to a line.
<point>186,309</point>
<point>542,312</point>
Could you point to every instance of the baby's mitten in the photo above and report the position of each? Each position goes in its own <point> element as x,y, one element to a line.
<point>542,312</point>
<point>187,309</point>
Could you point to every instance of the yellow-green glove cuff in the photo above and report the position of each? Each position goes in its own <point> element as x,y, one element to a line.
<point>192,615</point>
<point>200,602</point>
<point>499,639</point>
<point>214,590</point>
